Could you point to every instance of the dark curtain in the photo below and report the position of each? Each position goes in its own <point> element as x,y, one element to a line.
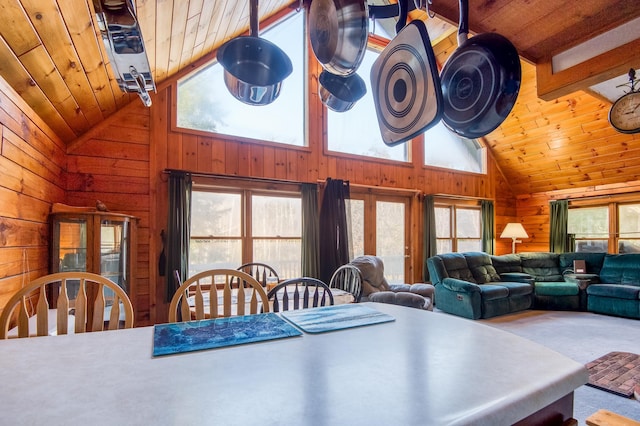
<point>334,244</point>
<point>558,237</point>
<point>429,235</point>
<point>488,236</point>
<point>310,232</point>
<point>178,229</point>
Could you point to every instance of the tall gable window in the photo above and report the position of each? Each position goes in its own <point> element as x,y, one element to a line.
<point>357,131</point>
<point>205,104</point>
<point>443,148</point>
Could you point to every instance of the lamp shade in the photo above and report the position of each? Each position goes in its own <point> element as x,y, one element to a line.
<point>514,230</point>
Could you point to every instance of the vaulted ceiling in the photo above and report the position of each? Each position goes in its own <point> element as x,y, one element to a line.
<point>52,55</point>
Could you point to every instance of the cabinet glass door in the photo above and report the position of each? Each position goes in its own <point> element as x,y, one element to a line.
<point>72,245</point>
<point>113,251</point>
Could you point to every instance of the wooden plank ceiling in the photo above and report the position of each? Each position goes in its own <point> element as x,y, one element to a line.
<point>52,55</point>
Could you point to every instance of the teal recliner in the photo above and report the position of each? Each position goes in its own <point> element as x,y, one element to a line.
<point>468,285</point>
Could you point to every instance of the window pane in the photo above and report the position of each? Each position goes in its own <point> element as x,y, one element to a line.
<point>357,226</point>
<point>204,102</point>
<point>469,245</point>
<point>443,222</point>
<point>467,224</point>
<point>276,216</point>
<point>216,214</point>
<point>444,246</point>
<point>390,244</point>
<point>591,246</point>
<point>443,148</point>
<point>588,222</point>
<point>629,246</point>
<point>213,254</point>
<point>356,131</point>
<point>629,218</point>
<point>285,255</point>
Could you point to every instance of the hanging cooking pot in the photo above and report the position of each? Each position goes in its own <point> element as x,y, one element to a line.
<point>339,31</point>
<point>480,81</point>
<point>254,68</point>
<point>340,93</point>
<point>405,83</point>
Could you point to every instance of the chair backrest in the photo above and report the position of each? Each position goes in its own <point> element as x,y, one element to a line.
<point>300,293</point>
<point>218,293</point>
<point>82,299</point>
<point>348,278</point>
<point>261,272</point>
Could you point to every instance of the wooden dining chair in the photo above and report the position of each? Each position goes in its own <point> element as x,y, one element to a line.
<point>76,302</point>
<point>300,293</point>
<point>348,278</point>
<point>262,272</point>
<point>217,293</point>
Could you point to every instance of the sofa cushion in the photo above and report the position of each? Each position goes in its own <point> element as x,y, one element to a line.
<point>456,267</point>
<point>481,267</point>
<point>618,291</point>
<point>593,261</point>
<point>517,289</point>
<point>621,269</point>
<point>541,266</point>
<point>545,288</point>
<point>492,292</point>
<point>506,263</point>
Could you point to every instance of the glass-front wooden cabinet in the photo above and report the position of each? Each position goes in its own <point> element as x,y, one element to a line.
<point>100,242</point>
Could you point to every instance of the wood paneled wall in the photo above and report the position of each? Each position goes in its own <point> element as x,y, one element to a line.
<point>32,177</point>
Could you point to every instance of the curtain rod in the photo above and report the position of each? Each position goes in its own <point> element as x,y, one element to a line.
<point>230,177</point>
<point>383,188</point>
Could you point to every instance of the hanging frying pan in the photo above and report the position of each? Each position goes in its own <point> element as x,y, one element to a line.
<point>340,93</point>
<point>405,83</point>
<point>339,30</point>
<point>480,81</point>
<point>254,68</point>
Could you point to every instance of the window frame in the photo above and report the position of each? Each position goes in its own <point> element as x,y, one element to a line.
<point>453,206</point>
<point>613,239</point>
<point>210,60</point>
<point>247,190</point>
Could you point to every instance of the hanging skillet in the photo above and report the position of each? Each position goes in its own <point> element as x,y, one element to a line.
<point>339,30</point>
<point>480,81</point>
<point>405,83</point>
<point>253,67</point>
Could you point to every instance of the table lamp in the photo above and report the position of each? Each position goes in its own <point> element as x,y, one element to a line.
<point>514,231</point>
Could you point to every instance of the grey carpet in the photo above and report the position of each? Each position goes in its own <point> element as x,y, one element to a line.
<point>583,337</point>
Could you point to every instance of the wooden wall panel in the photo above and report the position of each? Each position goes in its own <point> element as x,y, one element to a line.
<point>32,161</point>
<point>110,163</point>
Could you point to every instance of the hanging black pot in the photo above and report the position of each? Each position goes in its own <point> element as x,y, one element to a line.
<point>480,81</point>
<point>254,68</point>
<point>340,93</point>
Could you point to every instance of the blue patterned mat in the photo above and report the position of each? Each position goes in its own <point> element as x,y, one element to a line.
<point>216,333</point>
<point>337,317</point>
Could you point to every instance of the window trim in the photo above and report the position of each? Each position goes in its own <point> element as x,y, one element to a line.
<point>614,219</point>
<point>246,188</point>
<point>210,59</point>
<point>453,205</point>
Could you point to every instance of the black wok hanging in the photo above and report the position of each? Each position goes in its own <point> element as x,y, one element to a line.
<point>339,31</point>
<point>405,83</point>
<point>480,81</point>
<point>254,68</point>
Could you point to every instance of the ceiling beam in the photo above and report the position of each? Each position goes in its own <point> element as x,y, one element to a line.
<point>600,68</point>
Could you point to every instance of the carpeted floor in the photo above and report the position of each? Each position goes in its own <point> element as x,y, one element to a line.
<point>584,337</point>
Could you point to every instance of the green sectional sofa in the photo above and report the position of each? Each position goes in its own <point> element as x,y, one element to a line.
<point>475,285</point>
